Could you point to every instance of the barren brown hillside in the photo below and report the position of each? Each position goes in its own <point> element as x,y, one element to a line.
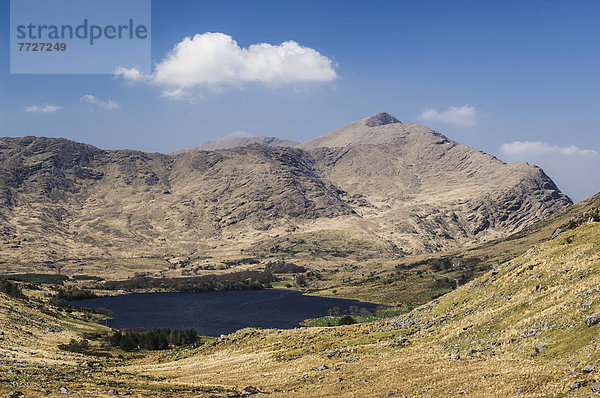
<point>401,184</point>
<point>426,192</point>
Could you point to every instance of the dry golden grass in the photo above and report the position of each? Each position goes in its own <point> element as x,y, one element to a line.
<point>478,340</point>
<point>536,298</point>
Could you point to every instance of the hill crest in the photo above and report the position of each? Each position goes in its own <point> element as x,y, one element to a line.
<point>234,142</point>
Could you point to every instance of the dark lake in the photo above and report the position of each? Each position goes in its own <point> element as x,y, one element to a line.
<point>216,313</point>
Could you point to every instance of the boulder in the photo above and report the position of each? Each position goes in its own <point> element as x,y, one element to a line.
<point>540,347</point>
<point>250,390</point>
<point>592,319</point>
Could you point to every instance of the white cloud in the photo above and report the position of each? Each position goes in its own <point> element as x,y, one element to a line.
<point>463,116</point>
<point>179,94</point>
<point>42,109</point>
<point>240,134</point>
<point>573,169</point>
<point>109,105</point>
<point>538,147</point>
<point>215,60</point>
<point>130,74</point>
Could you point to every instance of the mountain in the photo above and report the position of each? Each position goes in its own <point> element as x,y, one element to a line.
<point>233,142</point>
<point>426,192</point>
<point>397,185</point>
<point>63,199</point>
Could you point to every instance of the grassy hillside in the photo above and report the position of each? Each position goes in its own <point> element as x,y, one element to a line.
<point>520,328</point>
<point>35,359</point>
<point>529,326</point>
<point>414,280</point>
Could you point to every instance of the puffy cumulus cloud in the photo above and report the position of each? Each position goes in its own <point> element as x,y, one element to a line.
<point>42,109</point>
<point>572,168</point>
<point>109,105</point>
<point>466,115</point>
<point>215,60</point>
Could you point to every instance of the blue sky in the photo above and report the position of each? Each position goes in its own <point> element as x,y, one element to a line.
<point>518,79</point>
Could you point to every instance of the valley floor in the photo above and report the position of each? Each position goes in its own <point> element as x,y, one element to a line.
<point>525,327</point>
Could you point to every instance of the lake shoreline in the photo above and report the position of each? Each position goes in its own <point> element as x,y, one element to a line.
<point>216,313</point>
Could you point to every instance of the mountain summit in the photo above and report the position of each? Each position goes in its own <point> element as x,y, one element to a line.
<point>380,119</point>
<point>375,129</point>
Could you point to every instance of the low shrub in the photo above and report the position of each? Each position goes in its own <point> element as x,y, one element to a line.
<point>82,347</point>
<point>283,267</point>
<point>346,320</point>
<point>10,288</point>
<point>156,339</point>
<point>37,278</point>
<point>243,280</point>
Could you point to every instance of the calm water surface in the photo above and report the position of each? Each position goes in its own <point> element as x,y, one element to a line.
<point>215,313</point>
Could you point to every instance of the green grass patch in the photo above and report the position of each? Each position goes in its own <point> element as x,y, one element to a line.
<point>375,316</point>
<point>81,327</point>
<point>282,284</point>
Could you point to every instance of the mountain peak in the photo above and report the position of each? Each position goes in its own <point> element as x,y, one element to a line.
<point>380,119</point>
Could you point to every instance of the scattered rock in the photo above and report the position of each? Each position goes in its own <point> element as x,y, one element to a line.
<point>333,353</point>
<point>63,390</point>
<point>398,341</point>
<point>15,394</point>
<point>540,347</point>
<point>250,390</point>
<point>520,389</point>
<point>596,387</point>
<point>321,368</point>
<point>575,386</point>
<point>589,368</point>
<point>557,232</point>
<point>592,319</point>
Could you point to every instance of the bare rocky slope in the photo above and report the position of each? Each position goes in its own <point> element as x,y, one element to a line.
<point>398,183</point>
<point>426,192</point>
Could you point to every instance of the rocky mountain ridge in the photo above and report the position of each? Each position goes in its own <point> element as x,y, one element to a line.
<point>234,142</point>
<point>393,182</point>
